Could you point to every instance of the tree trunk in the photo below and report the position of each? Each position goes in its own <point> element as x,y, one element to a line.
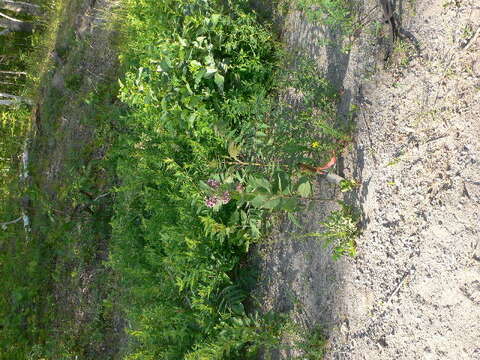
<point>10,100</point>
<point>11,24</point>
<point>14,73</point>
<point>20,7</point>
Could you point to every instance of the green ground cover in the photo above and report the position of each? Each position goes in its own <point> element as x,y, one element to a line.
<point>209,150</point>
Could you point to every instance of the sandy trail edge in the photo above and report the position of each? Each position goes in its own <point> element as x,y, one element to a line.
<point>413,292</point>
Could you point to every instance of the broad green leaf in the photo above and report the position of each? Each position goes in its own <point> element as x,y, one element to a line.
<point>205,186</point>
<point>259,200</point>
<point>290,204</point>
<point>254,228</point>
<point>210,71</point>
<point>272,203</point>
<point>283,181</point>
<point>164,66</point>
<point>215,18</point>
<point>305,189</point>
<point>262,183</point>
<point>238,309</point>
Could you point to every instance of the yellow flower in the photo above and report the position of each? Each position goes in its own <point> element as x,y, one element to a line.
<point>315,144</point>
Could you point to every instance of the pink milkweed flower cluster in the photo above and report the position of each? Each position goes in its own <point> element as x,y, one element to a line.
<point>214,184</point>
<point>225,197</point>
<point>211,201</point>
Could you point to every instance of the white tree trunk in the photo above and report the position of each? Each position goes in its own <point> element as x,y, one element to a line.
<point>9,100</point>
<point>21,7</point>
<point>13,72</point>
<point>12,24</point>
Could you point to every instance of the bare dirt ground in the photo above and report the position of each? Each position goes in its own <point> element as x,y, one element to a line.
<point>413,291</point>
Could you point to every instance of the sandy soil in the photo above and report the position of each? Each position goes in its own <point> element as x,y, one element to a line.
<point>413,291</point>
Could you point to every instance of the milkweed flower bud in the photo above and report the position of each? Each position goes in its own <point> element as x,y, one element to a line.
<point>214,184</point>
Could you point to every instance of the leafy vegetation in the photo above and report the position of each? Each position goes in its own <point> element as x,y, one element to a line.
<point>341,229</point>
<point>212,135</point>
<point>193,77</point>
<point>210,146</point>
<point>337,14</point>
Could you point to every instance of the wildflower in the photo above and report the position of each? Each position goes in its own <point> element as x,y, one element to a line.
<point>211,201</point>
<point>225,197</point>
<point>315,144</point>
<point>214,184</point>
<point>239,188</point>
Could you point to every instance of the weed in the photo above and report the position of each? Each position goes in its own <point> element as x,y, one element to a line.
<point>395,161</point>
<point>452,3</point>
<point>335,13</point>
<point>467,32</point>
<point>402,54</point>
<point>341,231</point>
<point>313,345</point>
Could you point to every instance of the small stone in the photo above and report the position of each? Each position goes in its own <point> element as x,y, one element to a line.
<point>476,68</point>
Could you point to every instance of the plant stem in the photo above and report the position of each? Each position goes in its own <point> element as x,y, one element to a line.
<point>332,178</point>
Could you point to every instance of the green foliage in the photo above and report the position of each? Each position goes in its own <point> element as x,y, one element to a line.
<point>259,332</point>
<point>335,13</point>
<point>348,185</point>
<point>292,128</point>
<point>192,77</point>
<point>21,271</point>
<point>341,230</point>
<point>35,267</point>
<point>210,146</point>
<point>313,344</point>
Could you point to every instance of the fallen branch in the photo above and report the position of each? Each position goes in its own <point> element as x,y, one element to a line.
<point>20,7</point>
<point>405,276</point>
<point>13,72</point>
<point>13,99</point>
<point>13,24</point>
<point>5,224</point>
